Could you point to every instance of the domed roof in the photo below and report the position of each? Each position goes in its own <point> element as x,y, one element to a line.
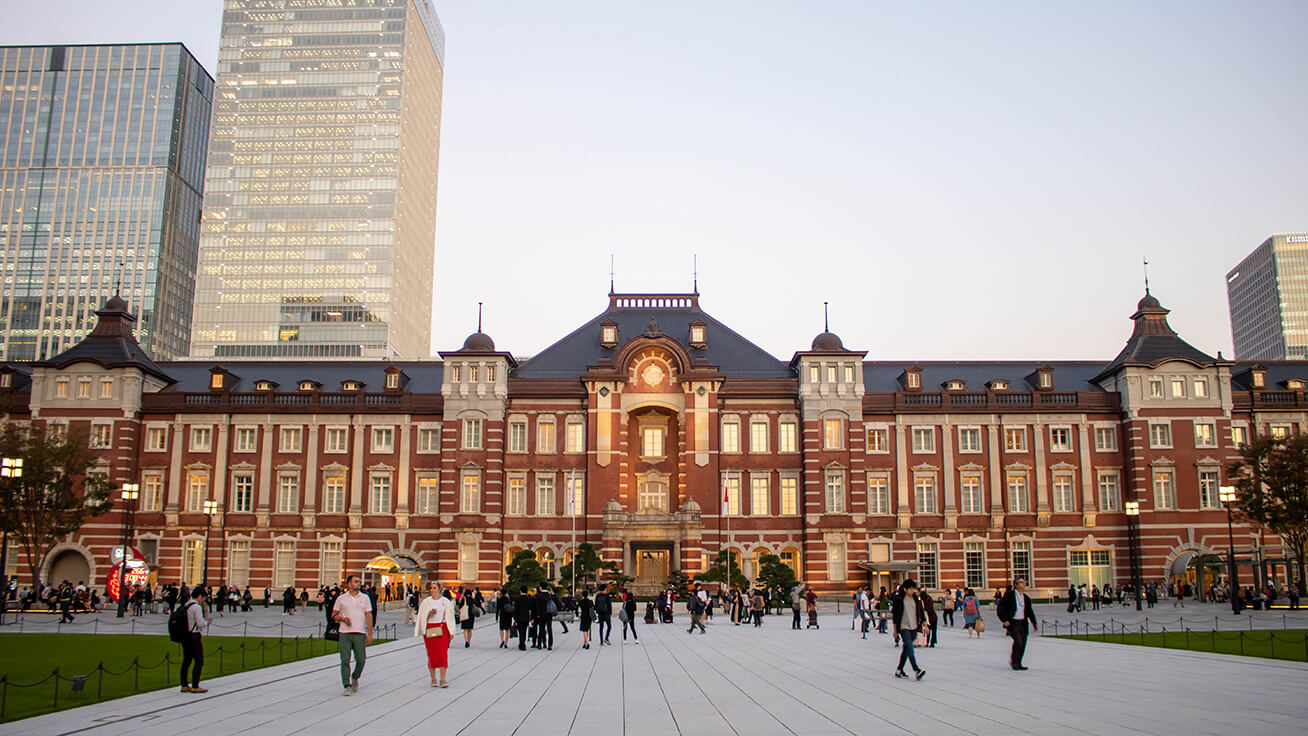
<point>115,304</point>
<point>827,342</point>
<point>479,342</point>
<point>1148,302</point>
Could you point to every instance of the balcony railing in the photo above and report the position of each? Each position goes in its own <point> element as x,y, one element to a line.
<point>293,401</point>
<point>960,401</point>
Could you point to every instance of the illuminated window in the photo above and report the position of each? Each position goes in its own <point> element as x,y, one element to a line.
<point>1110,493</point>
<point>106,388</point>
<point>651,442</point>
<point>428,495</point>
<point>789,495</point>
<point>545,434</point>
<point>197,490</point>
<point>787,436</point>
<point>544,495</point>
<point>1205,434</point>
<point>1208,485</point>
<point>379,494</point>
<point>731,434</point>
<point>1060,439</point>
<point>61,388</point>
<point>1200,388</point>
<point>878,440</point>
<point>152,491</point>
<point>575,435</point>
<point>102,436</point>
<point>84,389</point>
<point>972,503</point>
<point>758,434</point>
<point>760,489</point>
<point>242,491</point>
<point>517,495</point>
<point>833,434</point>
<point>836,569</point>
<point>1064,493</point>
<point>1164,490</point>
<point>1019,501</point>
<point>731,485</point>
<point>333,494</point>
<point>1015,439</point>
<point>470,499</point>
<point>924,494</point>
<point>878,495</point>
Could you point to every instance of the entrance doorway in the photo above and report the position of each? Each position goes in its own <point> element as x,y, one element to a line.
<point>72,566</point>
<point>652,568</point>
<point>392,576</point>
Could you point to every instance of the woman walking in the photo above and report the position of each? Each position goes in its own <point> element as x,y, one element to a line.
<point>504,612</point>
<point>435,622</point>
<point>586,610</point>
<point>737,606</point>
<point>467,611</point>
<point>971,613</point>
<point>756,607</point>
<point>909,619</point>
<point>629,621</point>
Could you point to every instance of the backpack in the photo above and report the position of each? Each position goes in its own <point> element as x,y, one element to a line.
<point>178,627</point>
<point>969,608</point>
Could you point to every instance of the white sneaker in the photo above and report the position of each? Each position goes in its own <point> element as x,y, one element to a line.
<point>348,692</point>
<point>354,685</point>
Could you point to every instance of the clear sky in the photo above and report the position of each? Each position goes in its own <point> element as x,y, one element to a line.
<point>959,179</point>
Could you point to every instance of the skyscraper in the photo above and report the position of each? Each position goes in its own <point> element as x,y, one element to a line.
<point>1268,297</point>
<point>320,193</point>
<point>103,160</point>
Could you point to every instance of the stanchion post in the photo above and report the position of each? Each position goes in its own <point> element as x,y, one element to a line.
<point>99,682</point>
<point>136,674</point>
<point>56,688</point>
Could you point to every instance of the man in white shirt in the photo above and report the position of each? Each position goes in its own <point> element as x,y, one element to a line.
<point>1015,611</point>
<point>864,608</point>
<point>353,611</point>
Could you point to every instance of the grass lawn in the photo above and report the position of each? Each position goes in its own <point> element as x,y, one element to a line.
<point>107,662</point>
<point>1289,645</point>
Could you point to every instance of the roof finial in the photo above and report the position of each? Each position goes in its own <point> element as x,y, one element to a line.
<point>118,284</point>
<point>479,316</point>
<point>611,274</point>
<point>1146,274</point>
<point>695,274</point>
<point>826,321</point>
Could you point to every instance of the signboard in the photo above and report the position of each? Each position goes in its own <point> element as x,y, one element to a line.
<point>116,554</point>
<point>138,573</point>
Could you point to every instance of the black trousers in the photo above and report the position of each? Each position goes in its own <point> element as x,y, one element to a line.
<point>1017,630</point>
<point>630,623</point>
<point>794,623</point>
<point>605,627</point>
<point>522,633</point>
<point>545,631</point>
<point>192,654</point>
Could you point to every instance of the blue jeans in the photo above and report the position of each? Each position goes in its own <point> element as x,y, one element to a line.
<point>906,638</point>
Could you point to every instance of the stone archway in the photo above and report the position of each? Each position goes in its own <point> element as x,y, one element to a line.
<point>68,564</point>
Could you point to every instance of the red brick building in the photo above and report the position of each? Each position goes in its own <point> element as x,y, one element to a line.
<point>960,473</point>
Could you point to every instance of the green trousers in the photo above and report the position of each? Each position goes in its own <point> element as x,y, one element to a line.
<point>352,643</point>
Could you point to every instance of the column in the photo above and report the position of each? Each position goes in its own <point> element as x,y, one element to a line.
<point>901,478</point>
<point>220,466</point>
<point>947,447</point>
<point>307,511</point>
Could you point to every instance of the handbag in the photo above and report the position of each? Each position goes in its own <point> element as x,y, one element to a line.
<point>921,639</point>
<point>333,632</point>
<point>435,632</point>
<point>551,609</point>
<point>622,616</point>
<point>980,625</point>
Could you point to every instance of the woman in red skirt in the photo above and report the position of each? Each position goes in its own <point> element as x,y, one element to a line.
<point>435,623</point>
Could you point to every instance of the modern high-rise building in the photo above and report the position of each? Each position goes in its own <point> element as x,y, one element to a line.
<point>101,166</point>
<point>319,225</point>
<point>1268,297</point>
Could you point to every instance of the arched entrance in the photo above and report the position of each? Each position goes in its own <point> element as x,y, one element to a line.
<point>392,575</point>
<point>70,565</point>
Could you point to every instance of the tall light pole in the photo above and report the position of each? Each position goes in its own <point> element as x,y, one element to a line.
<point>1133,531</point>
<point>210,508</point>
<point>131,491</point>
<point>11,468</point>
<point>1227,496</point>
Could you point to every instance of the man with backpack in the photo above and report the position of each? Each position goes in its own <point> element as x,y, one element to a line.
<point>186,625</point>
<point>695,604</point>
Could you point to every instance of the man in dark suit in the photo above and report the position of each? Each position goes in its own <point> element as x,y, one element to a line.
<point>523,610</point>
<point>1016,612</point>
<point>544,620</point>
<point>604,613</point>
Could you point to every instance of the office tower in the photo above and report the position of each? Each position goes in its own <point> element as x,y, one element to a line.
<point>103,160</point>
<point>320,194</point>
<point>1268,298</point>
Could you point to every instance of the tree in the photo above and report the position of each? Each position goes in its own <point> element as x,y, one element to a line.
<point>56,493</point>
<point>589,565</point>
<point>679,582</point>
<point>717,573</point>
<point>773,573</point>
<point>1272,481</point>
<point>524,570</point>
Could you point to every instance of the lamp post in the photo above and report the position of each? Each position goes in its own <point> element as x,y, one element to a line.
<point>1133,531</point>
<point>131,491</point>
<point>11,468</point>
<point>1227,496</point>
<point>210,508</point>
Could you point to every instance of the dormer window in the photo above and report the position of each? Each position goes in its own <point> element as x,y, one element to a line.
<point>6,380</point>
<point>1046,379</point>
<point>609,334</point>
<point>698,338</point>
<point>351,386</point>
<point>1259,378</point>
<point>393,379</point>
<point>220,379</point>
<point>216,382</point>
<point>1295,384</point>
<point>955,385</point>
<point>998,385</point>
<point>308,386</point>
<point>913,378</point>
<point>264,385</point>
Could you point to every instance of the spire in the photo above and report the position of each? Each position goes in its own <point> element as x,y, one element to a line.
<point>1146,274</point>
<point>826,318</point>
<point>479,316</point>
<point>611,290</point>
<point>694,278</point>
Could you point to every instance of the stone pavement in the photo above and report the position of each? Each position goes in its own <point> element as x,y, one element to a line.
<point>734,680</point>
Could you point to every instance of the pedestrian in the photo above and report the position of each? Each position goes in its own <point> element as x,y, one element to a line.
<point>467,615</point>
<point>353,611</point>
<point>972,614</point>
<point>504,611</point>
<point>756,607</point>
<point>796,595</point>
<point>909,619</point>
<point>628,616</point>
<point>811,597</point>
<point>695,604</point>
<point>1178,597</point>
<point>1016,613</point>
<point>304,599</point>
<point>737,606</point>
<point>435,623</point>
<point>928,607</point>
<point>604,614</point>
<point>863,607</point>
<point>65,598</point>
<point>947,609</point>
<point>192,645</point>
<point>523,609</point>
<point>883,610</point>
<point>586,614</point>
<point>544,619</point>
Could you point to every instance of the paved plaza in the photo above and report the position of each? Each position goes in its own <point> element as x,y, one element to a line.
<point>737,680</point>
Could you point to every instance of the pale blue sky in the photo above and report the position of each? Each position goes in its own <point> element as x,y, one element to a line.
<point>959,179</point>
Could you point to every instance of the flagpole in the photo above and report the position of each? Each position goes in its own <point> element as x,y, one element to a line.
<point>572,504</point>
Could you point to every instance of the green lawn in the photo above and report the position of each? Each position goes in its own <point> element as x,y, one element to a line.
<point>1289,645</point>
<point>107,662</point>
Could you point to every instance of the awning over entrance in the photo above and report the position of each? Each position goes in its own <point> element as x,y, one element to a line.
<point>888,567</point>
<point>1182,562</point>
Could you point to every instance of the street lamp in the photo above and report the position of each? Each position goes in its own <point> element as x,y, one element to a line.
<point>11,467</point>
<point>1133,531</point>
<point>131,491</point>
<point>210,508</point>
<point>1227,496</point>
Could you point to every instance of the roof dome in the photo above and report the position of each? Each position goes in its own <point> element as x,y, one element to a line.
<point>827,342</point>
<point>1148,302</point>
<point>115,304</point>
<point>479,342</point>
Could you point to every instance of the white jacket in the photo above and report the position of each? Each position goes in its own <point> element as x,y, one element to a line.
<point>424,610</point>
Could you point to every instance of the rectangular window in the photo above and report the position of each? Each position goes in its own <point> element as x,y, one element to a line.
<point>833,434</point>
<point>474,373</point>
<point>1208,496</point>
<point>731,484</point>
<point>545,434</point>
<point>335,440</point>
<point>731,434</point>
<point>152,491</point>
<point>758,435</point>
<point>1015,439</point>
<point>1205,434</point>
<point>813,376</point>
<point>924,439</point>
<point>102,436</point>
<point>429,495</point>
<point>1239,436</point>
<point>1164,490</point>
<point>969,439</point>
<point>574,493</point>
<point>288,493</point>
<point>789,495</point>
<point>835,491</point>
<point>972,501</point>
<point>242,492</point>
<point>831,373</point>
<point>517,496</point>
<point>490,373</point>
<point>1200,387</point>
<point>651,442</point>
<point>290,439</point>
<point>1018,500</point>
<point>760,489</point>
<point>329,563</point>
<point>333,494</point>
<point>836,569</point>
<point>849,373</point>
<point>83,389</point>
<point>106,388</point>
<point>383,440</point>
<point>1064,493</point>
<point>246,440</point>
<point>238,562</point>
<point>787,437</point>
<point>1110,491</point>
<point>974,564</point>
<point>575,440</point>
<point>1155,388</point>
<point>156,439</point>
<point>201,439</point>
<point>197,490</point>
<point>472,433</point>
<point>468,561</point>
<point>192,561</point>
<point>1280,431</point>
<point>518,435</point>
<point>429,440</point>
<point>1060,439</point>
<point>1160,435</point>
<point>928,565</point>
<point>1022,561</point>
<point>1106,439</point>
<point>544,495</point>
<point>1089,567</point>
<point>379,494</point>
<point>878,440</point>
<point>283,565</point>
<point>924,494</point>
<point>470,498</point>
<point>456,374</point>
<point>61,388</point>
<point>878,495</point>
<point>1178,388</point>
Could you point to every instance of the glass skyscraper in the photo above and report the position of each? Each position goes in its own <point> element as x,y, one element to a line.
<point>102,153</point>
<point>319,225</point>
<point>1268,297</point>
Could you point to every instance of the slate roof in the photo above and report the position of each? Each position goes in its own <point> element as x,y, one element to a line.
<point>881,376</point>
<point>732,354</point>
<point>110,345</point>
<point>1278,372</point>
<point>1154,341</point>
<point>424,377</point>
